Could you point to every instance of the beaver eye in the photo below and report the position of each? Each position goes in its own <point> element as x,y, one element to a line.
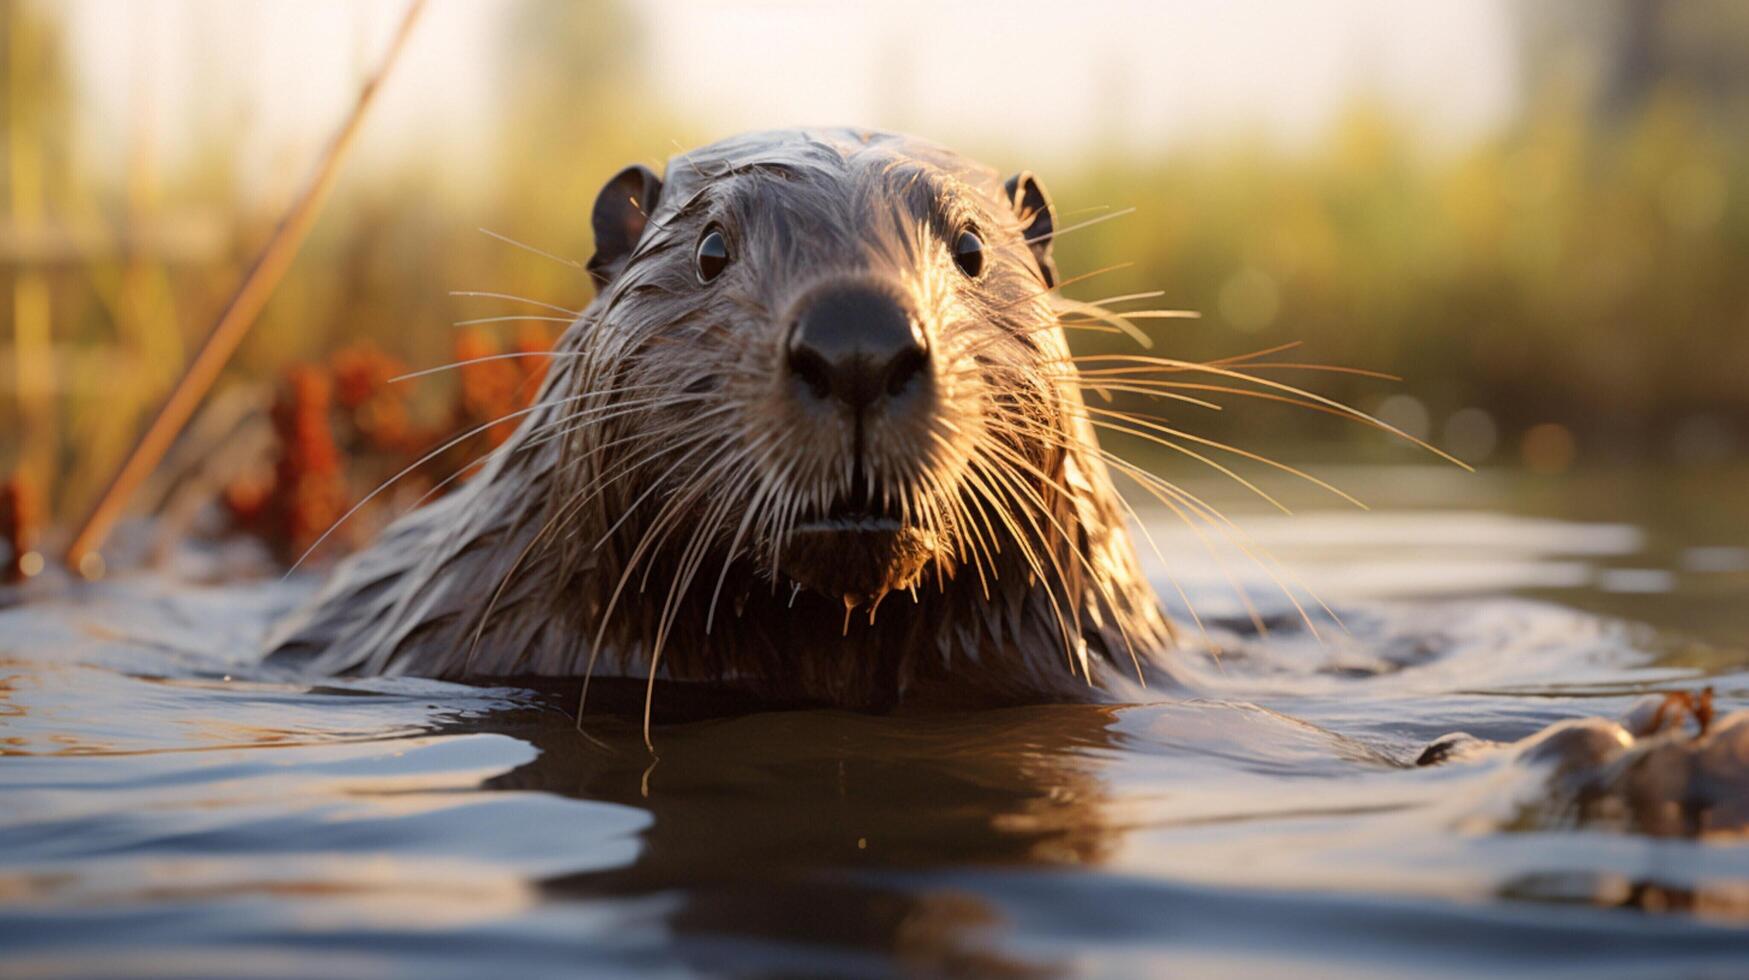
<point>968,253</point>
<point>712,256</point>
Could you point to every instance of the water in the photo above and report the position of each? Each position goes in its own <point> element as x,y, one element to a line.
<point>171,808</point>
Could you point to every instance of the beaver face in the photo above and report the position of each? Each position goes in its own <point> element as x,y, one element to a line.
<point>834,356</point>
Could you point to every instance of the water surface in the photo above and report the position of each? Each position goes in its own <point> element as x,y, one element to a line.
<point>171,808</point>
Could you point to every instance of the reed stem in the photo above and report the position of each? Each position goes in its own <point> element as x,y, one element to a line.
<point>234,322</point>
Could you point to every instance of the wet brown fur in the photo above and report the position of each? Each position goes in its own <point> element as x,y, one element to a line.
<point>645,501</point>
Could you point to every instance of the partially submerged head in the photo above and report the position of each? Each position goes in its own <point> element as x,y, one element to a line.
<point>822,367</point>
<point>836,357</point>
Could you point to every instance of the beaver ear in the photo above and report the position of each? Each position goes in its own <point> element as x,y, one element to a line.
<point>1038,219</point>
<point>622,209</point>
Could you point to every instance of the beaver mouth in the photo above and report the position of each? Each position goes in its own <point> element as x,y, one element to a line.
<point>859,548</point>
<point>862,509</point>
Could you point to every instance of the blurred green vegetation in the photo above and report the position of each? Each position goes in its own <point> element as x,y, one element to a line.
<point>1577,268</point>
<point>1566,271</point>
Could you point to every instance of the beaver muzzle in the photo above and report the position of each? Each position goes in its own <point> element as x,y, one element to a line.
<point>856,351</point>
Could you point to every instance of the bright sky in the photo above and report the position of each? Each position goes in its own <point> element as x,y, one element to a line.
<point>1047,77</point>
<point>1043,78</point>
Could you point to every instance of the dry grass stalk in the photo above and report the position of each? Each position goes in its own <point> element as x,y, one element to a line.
<point>234,322</point>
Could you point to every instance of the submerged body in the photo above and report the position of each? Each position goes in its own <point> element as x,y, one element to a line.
<point>818,436</point>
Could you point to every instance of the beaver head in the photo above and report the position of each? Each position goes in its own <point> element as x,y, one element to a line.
<point>841,355</point>
<point>821,368</point>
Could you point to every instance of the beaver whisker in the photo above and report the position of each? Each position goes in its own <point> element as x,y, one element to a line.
<point>1146,477</point>
<point>678,582</point>
<point>698,547</point>
<point>570,424</point>
<point>635,462</point>
<point>512,318</point>
<point>1325,368</point>
<point>1047,291</point>
<point>1261,396</point>
<point>1139,315</point>
<point>1271,566</point>
<point>1163,494</point>
<point>1229,528</point>
<point>728,490</point>
<point>1056,233</point>
<point>975,549</point>
<point>1175,365</point>
<point>1146,374</point>
<point>517,299</point>
<point>539,434</point>
<point>933,518</point>
<point>1080,278</point>
<point>1003,476</point>
<point>690,563</point>
<point>983,474</point>
<point>778,526</point>
<point>1107,455</point>
<point>508,577</point>
<point>560,516</point>
<point>1146,423</point>
<point>657,531</point>
<point>437,487</point>
<point>1094,309</point>
<point>1053,234</point>
<point>471,465</point>
<point>475,462</point>
<point>1165,566</point>
<point>1006,339</point>
<point>937,506</point>
<point>943,516</point>
<point>1055,325</point>
<point>1014,459</point>
<point>421,461</point>
<point>1233,534</point>
<point>1121,321</point>
<point>1234,359</point>
<point>1145,427</point>
<point>1105,388</point>
<point>1068,309</point>
<point>1150,481</point>
<point>1250,360</point>
<point>1262,558</point>
<point>559,429</point>
<point>631,508</point>
<point>754,507</point>
<point>1124,298</point>
<point>1160,488</point>
<point>983,562</point>
<point>506,239</point>
<point>508,355</point>
<point>1193,454</point>
<point>977,534</point>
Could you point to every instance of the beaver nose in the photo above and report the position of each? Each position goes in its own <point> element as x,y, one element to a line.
<point>856,343</point>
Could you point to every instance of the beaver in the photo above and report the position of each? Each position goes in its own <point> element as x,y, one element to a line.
<point>818,438</point>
